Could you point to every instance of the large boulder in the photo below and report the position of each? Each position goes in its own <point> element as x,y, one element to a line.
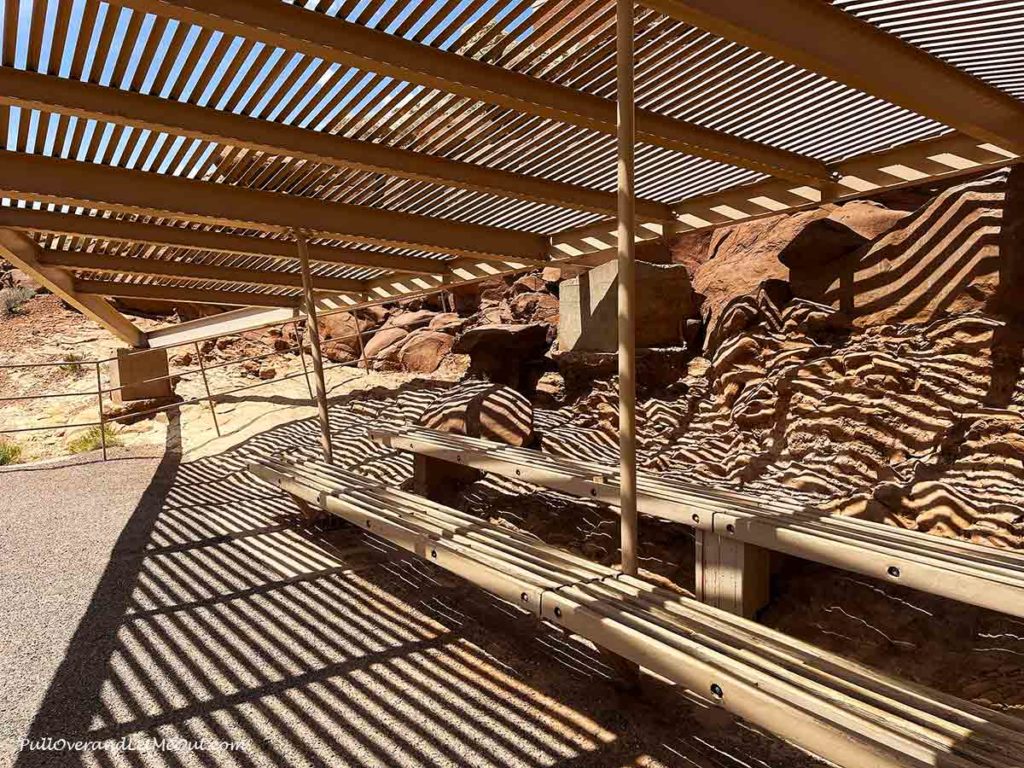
<point>801,249</point>
<point>423,350</point>
<point>656,369</point>
<point>411,320</point>
<point>530,283</point>
<point>512,355</point>
<point>384,346</point>
<point>488,411</point>
<point>552,276</point>
<point>535,308</point>
<point>589,308</point>
<point>867,218</point>
<point>339,334</point>
<point>470,297</point>
<point>448,322</point>
<point>961,252</point>
<point>748,255</point>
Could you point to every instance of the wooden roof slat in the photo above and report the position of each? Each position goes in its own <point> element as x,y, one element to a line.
<point>824,39</point>
<point>313,34</point>
<point>149,112</point>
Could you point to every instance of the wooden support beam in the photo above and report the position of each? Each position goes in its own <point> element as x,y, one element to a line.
<point>626,287</point>
<point>380,291</point>
<point>154,267</point>
<point>313,326</point>
<point>31,90</point>
<point>109,229</point>
<point>870,174</point>
<point>331,39</point>
<point>190,295</point>
<point>68,182</point>
<point>24,254</point>
<point>822,38</point>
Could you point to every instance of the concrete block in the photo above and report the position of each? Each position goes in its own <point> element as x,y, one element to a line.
<point>589,307</point>
<point>133,370</point>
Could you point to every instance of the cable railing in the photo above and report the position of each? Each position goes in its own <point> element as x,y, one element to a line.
<point>101,392</point>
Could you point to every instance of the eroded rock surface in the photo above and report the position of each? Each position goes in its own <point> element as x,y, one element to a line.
<point>488,411</point>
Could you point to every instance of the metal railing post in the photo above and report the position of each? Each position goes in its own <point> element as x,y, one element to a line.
<point>103,423</point>
<point>302,357</point>
<point>362,347</point>
<point>626,286</point>
<point>206,385</point>
<point>309,301</point>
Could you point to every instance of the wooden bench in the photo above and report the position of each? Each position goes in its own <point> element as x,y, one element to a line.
<point>737,525</point>
<point>844,712</point>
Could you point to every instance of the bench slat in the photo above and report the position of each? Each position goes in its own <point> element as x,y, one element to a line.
<point>846,713</point>
<point>960,570</point>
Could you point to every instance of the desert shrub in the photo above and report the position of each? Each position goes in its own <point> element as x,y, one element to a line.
<point>92,439</point>
<point>13,297</point>
<point>73,364</point>
<point>10,453</point>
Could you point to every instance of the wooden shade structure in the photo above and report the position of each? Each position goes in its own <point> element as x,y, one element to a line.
<point>170,149</point>
<point>165,148</point>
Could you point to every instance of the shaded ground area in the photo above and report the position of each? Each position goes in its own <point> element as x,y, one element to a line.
<point>183,601</point>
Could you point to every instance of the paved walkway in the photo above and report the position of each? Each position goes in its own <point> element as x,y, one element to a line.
<point>147,599</point>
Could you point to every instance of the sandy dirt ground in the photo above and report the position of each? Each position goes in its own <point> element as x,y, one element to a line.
<point>180,600</point>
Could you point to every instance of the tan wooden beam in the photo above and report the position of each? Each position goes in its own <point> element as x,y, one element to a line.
<point>819,37</point>
<point>31,90</point>
<point>70,182</point>
<point>159,268</point>
<point>313,328</point>
<point>317,35</point>
<point>24,254</point>
<point>190,295</point>
<point>921,162</point>
<point>382,290</point>
<point>109,229</point>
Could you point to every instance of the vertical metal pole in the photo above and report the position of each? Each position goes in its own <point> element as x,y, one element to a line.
<point>362,347</point>
<point>309,301</point>
<point>302,357</point>
<point>206,384</point>
<point>627,287</point>
<point>103,423</point>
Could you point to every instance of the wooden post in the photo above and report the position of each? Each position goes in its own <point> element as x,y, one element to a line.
<point>732,575</point>
<point>626,287</point>
<point>206,384</point>
<point>309,301</point>
<point>103,421</point>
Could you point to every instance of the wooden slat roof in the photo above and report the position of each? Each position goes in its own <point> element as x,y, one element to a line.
<point>682,72</point>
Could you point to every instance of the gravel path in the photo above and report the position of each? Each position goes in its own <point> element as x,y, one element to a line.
<point>147,599</point>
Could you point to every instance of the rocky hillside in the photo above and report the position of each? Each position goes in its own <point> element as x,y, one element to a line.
<point>861,357</point>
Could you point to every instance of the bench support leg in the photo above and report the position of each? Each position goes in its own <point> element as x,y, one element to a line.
<point>309,513</point>
<point>731,575</point>
<point>439,480</point>
<point>627,673</point>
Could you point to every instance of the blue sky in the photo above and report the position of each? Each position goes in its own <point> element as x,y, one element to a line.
<point>203,82</point>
